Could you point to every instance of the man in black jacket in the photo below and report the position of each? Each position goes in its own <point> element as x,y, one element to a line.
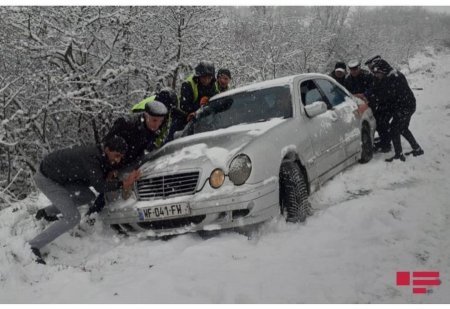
<point>359,82</point>
<point>339,72</point>
<point>380,103</point>
<point>65,176</point>
<point>196,91</point>
<point>140,132</point>
<point>403,105</point>
<point>169,98</point>
<point>371,61</point>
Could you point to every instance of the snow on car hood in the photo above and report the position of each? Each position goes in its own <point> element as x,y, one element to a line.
<point>217,147</point>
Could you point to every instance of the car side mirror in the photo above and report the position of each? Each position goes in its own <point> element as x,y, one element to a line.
<point>316,108</point>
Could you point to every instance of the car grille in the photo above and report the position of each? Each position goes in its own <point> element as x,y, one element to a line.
<point>167,185</point>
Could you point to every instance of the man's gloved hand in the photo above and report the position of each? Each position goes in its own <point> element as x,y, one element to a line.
<point>204,101</point>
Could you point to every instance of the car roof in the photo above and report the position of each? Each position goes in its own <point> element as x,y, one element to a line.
<point>282,81</point>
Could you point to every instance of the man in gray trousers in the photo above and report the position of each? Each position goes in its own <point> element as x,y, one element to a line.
<point>65,176</point>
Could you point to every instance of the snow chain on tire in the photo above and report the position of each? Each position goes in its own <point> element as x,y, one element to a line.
<point>293,193</point>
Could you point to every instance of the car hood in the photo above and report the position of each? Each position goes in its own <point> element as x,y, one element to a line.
<point>214,149</point>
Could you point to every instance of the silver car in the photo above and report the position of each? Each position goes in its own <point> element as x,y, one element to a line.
<point>252,154</point>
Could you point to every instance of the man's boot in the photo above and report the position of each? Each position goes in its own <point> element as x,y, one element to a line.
<point>42,214</point>
<point>400,157</point>
<point>415,152</point>
<point>38,255</point>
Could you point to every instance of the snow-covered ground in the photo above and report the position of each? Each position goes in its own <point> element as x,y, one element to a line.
<point>370,222</point>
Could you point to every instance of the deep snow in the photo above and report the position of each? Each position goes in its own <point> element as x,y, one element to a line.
<point>370,222</point>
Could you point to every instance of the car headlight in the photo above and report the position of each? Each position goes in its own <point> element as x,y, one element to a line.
<point>240,169</point>
<point>217,178</point>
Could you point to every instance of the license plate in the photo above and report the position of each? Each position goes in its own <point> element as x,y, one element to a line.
<point>164,211</point>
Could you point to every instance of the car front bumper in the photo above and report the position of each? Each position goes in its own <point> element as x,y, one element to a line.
<point>231,207</point>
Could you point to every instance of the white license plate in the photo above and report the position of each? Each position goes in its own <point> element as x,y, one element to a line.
<point>164,211</point>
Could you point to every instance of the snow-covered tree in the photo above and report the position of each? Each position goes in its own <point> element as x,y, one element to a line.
<point>66,73</point>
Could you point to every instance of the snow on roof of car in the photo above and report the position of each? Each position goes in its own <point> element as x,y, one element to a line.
<point>282,81</point>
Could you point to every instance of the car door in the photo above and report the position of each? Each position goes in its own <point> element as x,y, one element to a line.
<point>323,130</point>
<point>346,111</point>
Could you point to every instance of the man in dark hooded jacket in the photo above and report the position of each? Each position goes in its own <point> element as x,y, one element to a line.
<point>402,105</point>
<point>65,175</point>
<point>370,62</point>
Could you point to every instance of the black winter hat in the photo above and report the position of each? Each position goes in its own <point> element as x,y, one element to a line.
<point>205,68</point>
<point>340,65</point>
<point>168,97</point>
<point>224,72</point>
<point>116,143</point>
<point>381,66</point>
<point>156,109</point>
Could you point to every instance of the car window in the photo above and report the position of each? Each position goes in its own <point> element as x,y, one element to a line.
<point>310,93</point>
<point>245,107</point>
<point>334,94</point>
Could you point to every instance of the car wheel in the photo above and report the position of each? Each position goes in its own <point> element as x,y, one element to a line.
<point>294,203</point>
<point>366,145</point>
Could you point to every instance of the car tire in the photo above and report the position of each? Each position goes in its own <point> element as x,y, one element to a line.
<point>294,203</point>
<point>366,146</point>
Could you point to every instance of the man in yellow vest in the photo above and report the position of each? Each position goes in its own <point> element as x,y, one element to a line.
<point>196,91</point>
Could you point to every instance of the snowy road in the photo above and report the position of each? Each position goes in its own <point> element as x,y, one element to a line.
<point>370,222</point>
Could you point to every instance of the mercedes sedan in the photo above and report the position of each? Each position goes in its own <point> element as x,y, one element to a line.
<point>253,153</point>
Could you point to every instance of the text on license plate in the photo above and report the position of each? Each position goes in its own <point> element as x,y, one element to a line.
<point>165,211</point>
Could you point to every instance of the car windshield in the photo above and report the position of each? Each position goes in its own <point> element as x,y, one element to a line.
<point>246,107</point>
